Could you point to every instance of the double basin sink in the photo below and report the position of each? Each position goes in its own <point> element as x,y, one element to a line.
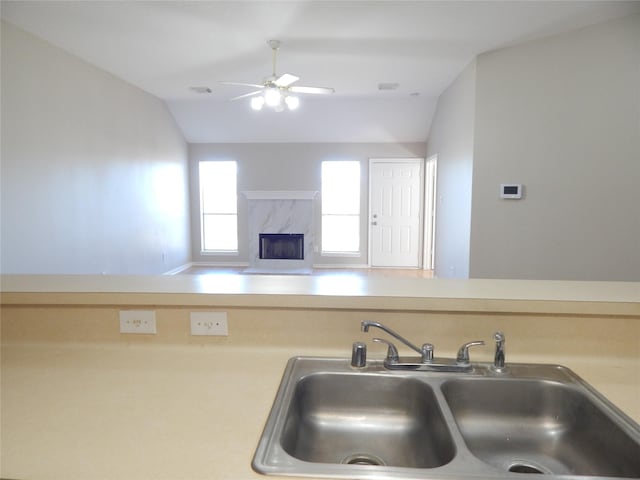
<point>330,419</point>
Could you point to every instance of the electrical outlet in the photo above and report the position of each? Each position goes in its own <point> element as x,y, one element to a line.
<point>137,321</point>
<point>209,323</point>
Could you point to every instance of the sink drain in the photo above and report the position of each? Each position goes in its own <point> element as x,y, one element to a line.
<point>363,459</point>
<point>523,467</point>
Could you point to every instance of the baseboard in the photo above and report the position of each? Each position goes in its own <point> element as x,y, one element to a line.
<point>179,269</point>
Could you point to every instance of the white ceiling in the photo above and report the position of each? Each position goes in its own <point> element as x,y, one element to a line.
<point>165,47</point>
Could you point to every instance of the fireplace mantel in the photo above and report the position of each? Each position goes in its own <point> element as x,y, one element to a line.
<point>280,194</point>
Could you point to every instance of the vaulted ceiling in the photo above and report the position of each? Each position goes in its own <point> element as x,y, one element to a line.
<point>166,47</point>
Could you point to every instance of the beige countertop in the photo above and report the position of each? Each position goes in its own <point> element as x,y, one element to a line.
<point>344,285</point>
<point>613,298</point>
<point>171,412</point>
<point>134,412</point>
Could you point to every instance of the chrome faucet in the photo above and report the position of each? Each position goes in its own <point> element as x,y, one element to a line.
<point>364,326</point>
<point>498,361</point>
<point>427,361</point>
<point>426,351</point>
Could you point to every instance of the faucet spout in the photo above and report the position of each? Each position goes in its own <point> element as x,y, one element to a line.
<point>364,326</point>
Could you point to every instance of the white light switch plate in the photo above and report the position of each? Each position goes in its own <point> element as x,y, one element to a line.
<point>209,323</point>
<point>137,321</point>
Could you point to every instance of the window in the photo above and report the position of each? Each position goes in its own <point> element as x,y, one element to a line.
<point>218,206</point>
<point>340,207</point>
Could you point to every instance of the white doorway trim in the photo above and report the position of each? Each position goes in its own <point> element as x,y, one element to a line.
<point>430,196</point>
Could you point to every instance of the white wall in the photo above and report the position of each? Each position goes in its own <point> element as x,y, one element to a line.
<point>451,138</point>
<point>94,170</point>
<point>320,119</point>
<point>288,166</point>
<point>562,116</point>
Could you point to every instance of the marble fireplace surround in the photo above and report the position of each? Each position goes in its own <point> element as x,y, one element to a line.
<point>280,212</point>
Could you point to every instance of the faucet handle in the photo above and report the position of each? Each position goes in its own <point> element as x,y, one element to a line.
<point>392,351</point>
<point>463,353</point>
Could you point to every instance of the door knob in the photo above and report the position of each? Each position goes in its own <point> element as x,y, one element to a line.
<point>374,223</point>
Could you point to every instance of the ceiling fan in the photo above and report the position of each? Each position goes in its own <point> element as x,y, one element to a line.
<point>277,91</point>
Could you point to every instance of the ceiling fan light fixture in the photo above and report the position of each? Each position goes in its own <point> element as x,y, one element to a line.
<point>275,90</point>
<point>272,96</point>
<point>257,103</point>
<point>292,102</point>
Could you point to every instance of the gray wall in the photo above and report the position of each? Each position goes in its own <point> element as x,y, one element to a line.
<point>451,138</point>
<point>94,170</point>
<point>288,166</point>
<point>561,116</point>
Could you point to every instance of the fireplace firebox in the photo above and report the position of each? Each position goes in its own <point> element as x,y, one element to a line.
<point>281,246</point>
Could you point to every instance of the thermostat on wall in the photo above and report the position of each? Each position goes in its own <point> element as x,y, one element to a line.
<point>510,190</point>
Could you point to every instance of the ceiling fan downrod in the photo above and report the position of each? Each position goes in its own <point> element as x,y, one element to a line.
<point>275,45</point>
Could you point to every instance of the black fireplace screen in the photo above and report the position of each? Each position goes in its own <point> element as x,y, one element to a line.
<point>282,246</point>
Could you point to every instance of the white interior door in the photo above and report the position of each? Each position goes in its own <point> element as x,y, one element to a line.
<point>395,212</point>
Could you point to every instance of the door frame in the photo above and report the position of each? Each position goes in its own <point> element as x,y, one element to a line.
<point>430,203</point>
<point>420,162</point>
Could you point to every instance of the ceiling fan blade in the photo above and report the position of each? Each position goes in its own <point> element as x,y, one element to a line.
<point>312,90</point>
<point>286,79</point>
<point>250,94</point>
<point>254,85</point>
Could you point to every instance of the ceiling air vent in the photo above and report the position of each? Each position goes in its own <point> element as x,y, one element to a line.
<point>388,86</point>
<point>200,89</point>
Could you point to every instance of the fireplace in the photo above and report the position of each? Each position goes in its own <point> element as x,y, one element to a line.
<point>286,218</point>
<point>281,246</point>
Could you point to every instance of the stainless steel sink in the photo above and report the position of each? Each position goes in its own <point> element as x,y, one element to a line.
<point>538,426</point>
<point>332,420</point>
<point>366,420</point>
